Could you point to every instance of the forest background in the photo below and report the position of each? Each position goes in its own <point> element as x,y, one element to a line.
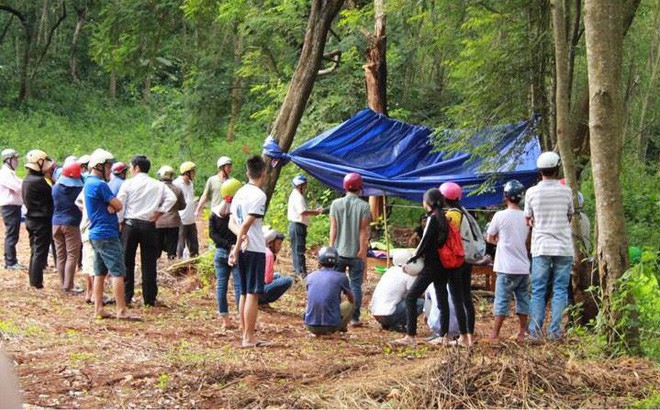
<point>192,80</point>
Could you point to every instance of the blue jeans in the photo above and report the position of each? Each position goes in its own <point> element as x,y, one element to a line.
<point>298,237</point>
<point>542,266</point>
<point>222,273</point>
<point>355,277</point>
<point>506,286</point>
<point>275,289</point>
<point>397,320</point>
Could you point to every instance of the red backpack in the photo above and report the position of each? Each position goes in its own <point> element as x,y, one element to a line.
<point>452,254</point>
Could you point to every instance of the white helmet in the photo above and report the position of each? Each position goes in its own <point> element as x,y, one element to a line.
<point>99,157</point>
<point>547,160</point>
<point>400,256</point>
<point>166,172</point>
<point>84,160</point>
<point>222,161</point>
<point>9,154</point>
<point>70,158</point>
<point>37,160</point>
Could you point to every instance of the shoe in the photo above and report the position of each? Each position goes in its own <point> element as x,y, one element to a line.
<point>16,266</point>
<point>73,291</point>
<point>356,323</point>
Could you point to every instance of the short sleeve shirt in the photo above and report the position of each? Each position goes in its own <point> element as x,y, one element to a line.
<point>251,200</point>
<point>390,290</point>
<point>212,188</point>
<point>296,207</point>
<point>324,289</point>
<point>550,204</point>
<point>511,228</point>
<point>348,212</point>
<point>103,224</point>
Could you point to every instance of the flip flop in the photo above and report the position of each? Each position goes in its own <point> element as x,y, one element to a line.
<point>129,318</point>
<point>104,315</point>
<point>259,343</point>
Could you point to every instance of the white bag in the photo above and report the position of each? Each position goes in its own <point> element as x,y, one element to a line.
<point>413,268</point>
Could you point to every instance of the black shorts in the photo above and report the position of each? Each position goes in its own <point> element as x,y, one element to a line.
<point>252,269</point>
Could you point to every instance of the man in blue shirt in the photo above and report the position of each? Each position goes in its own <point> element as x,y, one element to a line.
<point>102,207</point>
<point>325,312</point>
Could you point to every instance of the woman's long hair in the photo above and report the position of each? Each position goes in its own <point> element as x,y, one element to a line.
<point>436,201</point>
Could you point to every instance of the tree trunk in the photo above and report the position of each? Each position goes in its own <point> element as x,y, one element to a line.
<point>112,87</point>
<point>604,39</point>
<point>375,74</point>
<point>73,61</point>
<point>236,86</point>
<point>284,129</point>
<point>653,64</point>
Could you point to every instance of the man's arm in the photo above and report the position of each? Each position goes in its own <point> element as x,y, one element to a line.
<point>364,239</point>
<point>333,231</point>
<point>492,239</point>
<point>122,196</point>
<point>349,296</point>
<point>240,237</point>
<point>115,204</point>
<point>202,199</point>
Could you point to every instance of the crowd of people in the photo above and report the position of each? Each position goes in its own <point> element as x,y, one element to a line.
<point>97,218</point>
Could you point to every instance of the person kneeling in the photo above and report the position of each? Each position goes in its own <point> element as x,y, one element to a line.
<point>325,312</point>
<point>275,284</point>
<point>388,303</point>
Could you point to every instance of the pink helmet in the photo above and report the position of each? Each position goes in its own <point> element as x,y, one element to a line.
<point>71,169</point>
<point>451,191</point>
<point>353,182</point>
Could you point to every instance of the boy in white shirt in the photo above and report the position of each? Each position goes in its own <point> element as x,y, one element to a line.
<point>247,209</point>
<point>508,229</point>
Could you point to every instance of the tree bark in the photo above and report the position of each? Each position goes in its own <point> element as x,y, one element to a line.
<point>375,74</point>
<point>73,60</point>
<point>284,129</point>
<point>604,39</point>
<point>236,86</point>
<point>27,22</point>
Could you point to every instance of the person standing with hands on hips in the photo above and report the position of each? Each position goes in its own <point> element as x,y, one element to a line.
<point>298,216</point>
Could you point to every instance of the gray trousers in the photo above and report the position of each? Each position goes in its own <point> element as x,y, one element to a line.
<point>188,238</point>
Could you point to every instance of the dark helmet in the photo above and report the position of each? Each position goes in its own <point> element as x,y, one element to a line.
<point>328,256</point>
<point>352,182</point>
<point>513,190</point>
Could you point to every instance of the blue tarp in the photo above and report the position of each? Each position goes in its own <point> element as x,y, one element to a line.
<point>398,159</point>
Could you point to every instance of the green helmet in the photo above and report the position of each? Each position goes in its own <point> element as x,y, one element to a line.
<point>229,187</point>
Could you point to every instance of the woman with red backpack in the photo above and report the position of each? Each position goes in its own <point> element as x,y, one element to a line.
<point>436,234</point>
<point>456,215</point>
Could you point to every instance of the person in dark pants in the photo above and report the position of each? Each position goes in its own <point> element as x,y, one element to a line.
<point>298,216</point>
<point>38,200</point>
<point>435,235</point>
<point>169,223</point>
<point>11,201</point>
<point>188,229</point>
<point>144,200</point>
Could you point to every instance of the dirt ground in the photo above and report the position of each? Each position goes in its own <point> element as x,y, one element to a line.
<point>178,357</point>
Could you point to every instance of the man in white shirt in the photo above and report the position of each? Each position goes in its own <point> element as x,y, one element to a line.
<point>388,303</point>
<point>509,231</point>
<point>247,209</point>
<point>548,209</point>
<point>145,200</point>
<point>188,228</point>
<point>11,202</point>
<point>298,216</point>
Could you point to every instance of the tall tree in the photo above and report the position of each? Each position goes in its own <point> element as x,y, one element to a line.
<point>321,15</point>
<point>604,39</point>
<point>375,73</point>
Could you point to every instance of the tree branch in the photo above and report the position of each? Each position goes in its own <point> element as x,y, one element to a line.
<point>50,39</point>
<point>13,11</point>
<point>6,29</point>
<point>335,58</point>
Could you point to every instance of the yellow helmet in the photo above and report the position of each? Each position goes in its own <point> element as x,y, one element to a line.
<point>37,160</point>
<point>229,187</point>
<point>186,167</point>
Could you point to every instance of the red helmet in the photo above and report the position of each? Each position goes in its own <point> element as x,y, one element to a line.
<point>119,167</point>
<point>562,181</point>
<point>353,182</point>
<point>72,170</point>
<point>451,191</point>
